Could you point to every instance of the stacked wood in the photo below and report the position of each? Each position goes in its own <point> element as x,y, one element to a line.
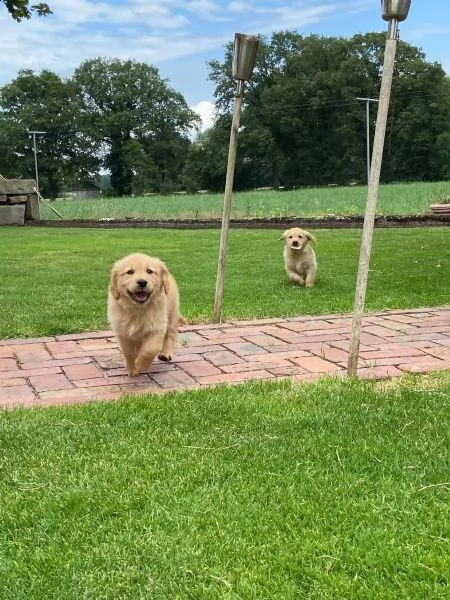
<point>18,201</point>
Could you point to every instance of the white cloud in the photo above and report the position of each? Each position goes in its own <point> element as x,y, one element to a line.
<point>362,6</point>
<point>206,110</point>
<point>425,30</point>
<point>201,6</point>
<point>238,6</point>
<point>153,31</point>
<point>154,13</point>
<point>292,17</point>
<point>39,45</point>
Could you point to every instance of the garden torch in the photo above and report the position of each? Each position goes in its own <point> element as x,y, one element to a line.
<point>244,57</point>
<point>392,11</point>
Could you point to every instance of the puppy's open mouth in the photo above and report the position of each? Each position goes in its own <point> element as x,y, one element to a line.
<point>296,247</point>
<point>140,297</point>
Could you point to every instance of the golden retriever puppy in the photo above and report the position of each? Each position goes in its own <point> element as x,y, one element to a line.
<point>143,310</point>
<point>299,258</point>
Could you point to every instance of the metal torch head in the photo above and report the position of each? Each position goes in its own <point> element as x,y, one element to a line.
<point>395,9</point>
<point>244,55</point>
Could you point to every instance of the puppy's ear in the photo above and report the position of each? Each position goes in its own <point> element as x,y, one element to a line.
<point>113,288</point>
<point>283,237</point>
<point>165,279</point>
<point>311,237</point>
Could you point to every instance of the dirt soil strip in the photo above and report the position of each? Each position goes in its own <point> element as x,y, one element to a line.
<point>256,223</point>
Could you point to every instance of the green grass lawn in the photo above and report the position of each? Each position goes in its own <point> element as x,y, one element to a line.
<point>55,280</point>
<point>332,490</point>
<point>398,199</point>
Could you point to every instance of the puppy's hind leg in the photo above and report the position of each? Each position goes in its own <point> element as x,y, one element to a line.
<point>169,344</point>
<point>295,277</point>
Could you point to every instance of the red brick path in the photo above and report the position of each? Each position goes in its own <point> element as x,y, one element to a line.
<point>77,368</point>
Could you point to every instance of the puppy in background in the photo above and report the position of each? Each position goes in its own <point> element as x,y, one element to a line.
<point>299,258</point>
<point>143,310</point>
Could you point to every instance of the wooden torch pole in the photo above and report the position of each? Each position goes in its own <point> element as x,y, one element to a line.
<point>372,194</point>
<point>227,202</point>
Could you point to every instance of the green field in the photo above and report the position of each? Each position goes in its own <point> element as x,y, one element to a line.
<point>55,280</point>
<point>398,199</point>
<point>334,490</point>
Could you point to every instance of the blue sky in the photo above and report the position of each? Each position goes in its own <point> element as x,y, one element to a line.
<point>179,36</point>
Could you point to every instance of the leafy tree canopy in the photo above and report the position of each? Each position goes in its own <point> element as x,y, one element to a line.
<point>119,115</point>
<point>301,121</point>
<point>21,9</point>
<point>143,122</point>
<point>44,102</point>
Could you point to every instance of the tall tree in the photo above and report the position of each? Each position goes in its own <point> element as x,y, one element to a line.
<point>315,116</point>
<point>44,102</point>
<point>206,161</point>
<point>260,140</point>
<point>141,121</point>
<point>304,126</point>
<point>21,9</point>
<point>419,122</point>
<point>205,166</point>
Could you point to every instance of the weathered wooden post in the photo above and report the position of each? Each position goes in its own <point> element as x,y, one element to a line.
<point>244,56</point>
<point>393,11</point>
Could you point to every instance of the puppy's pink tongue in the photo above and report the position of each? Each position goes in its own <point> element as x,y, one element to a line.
<point>141,295</point>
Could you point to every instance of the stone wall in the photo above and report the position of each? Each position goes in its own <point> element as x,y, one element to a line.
<point>18,201</point>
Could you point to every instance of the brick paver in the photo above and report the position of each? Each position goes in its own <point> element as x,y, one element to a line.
<point>7,364</point>
<point>88,366</point>
<point>17,395</point>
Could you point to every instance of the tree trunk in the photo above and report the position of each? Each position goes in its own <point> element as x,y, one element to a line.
<point>275,173</point>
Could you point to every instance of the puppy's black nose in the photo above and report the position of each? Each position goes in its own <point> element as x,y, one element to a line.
<point>295,243</point>
<point>142,283</point>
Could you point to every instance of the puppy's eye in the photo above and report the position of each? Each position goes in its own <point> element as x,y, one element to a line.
<point>149,271</point>
<point>130,272</point>
<point>290,237</point>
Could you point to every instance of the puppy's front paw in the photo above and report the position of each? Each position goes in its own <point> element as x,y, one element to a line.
<point>132,369</point>
<point>164,357</point>
<point>295,278</point>
<point>133,372</point>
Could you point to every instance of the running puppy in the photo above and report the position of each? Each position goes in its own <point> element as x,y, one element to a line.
<point>143,310</point>
<point>299,258</point>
